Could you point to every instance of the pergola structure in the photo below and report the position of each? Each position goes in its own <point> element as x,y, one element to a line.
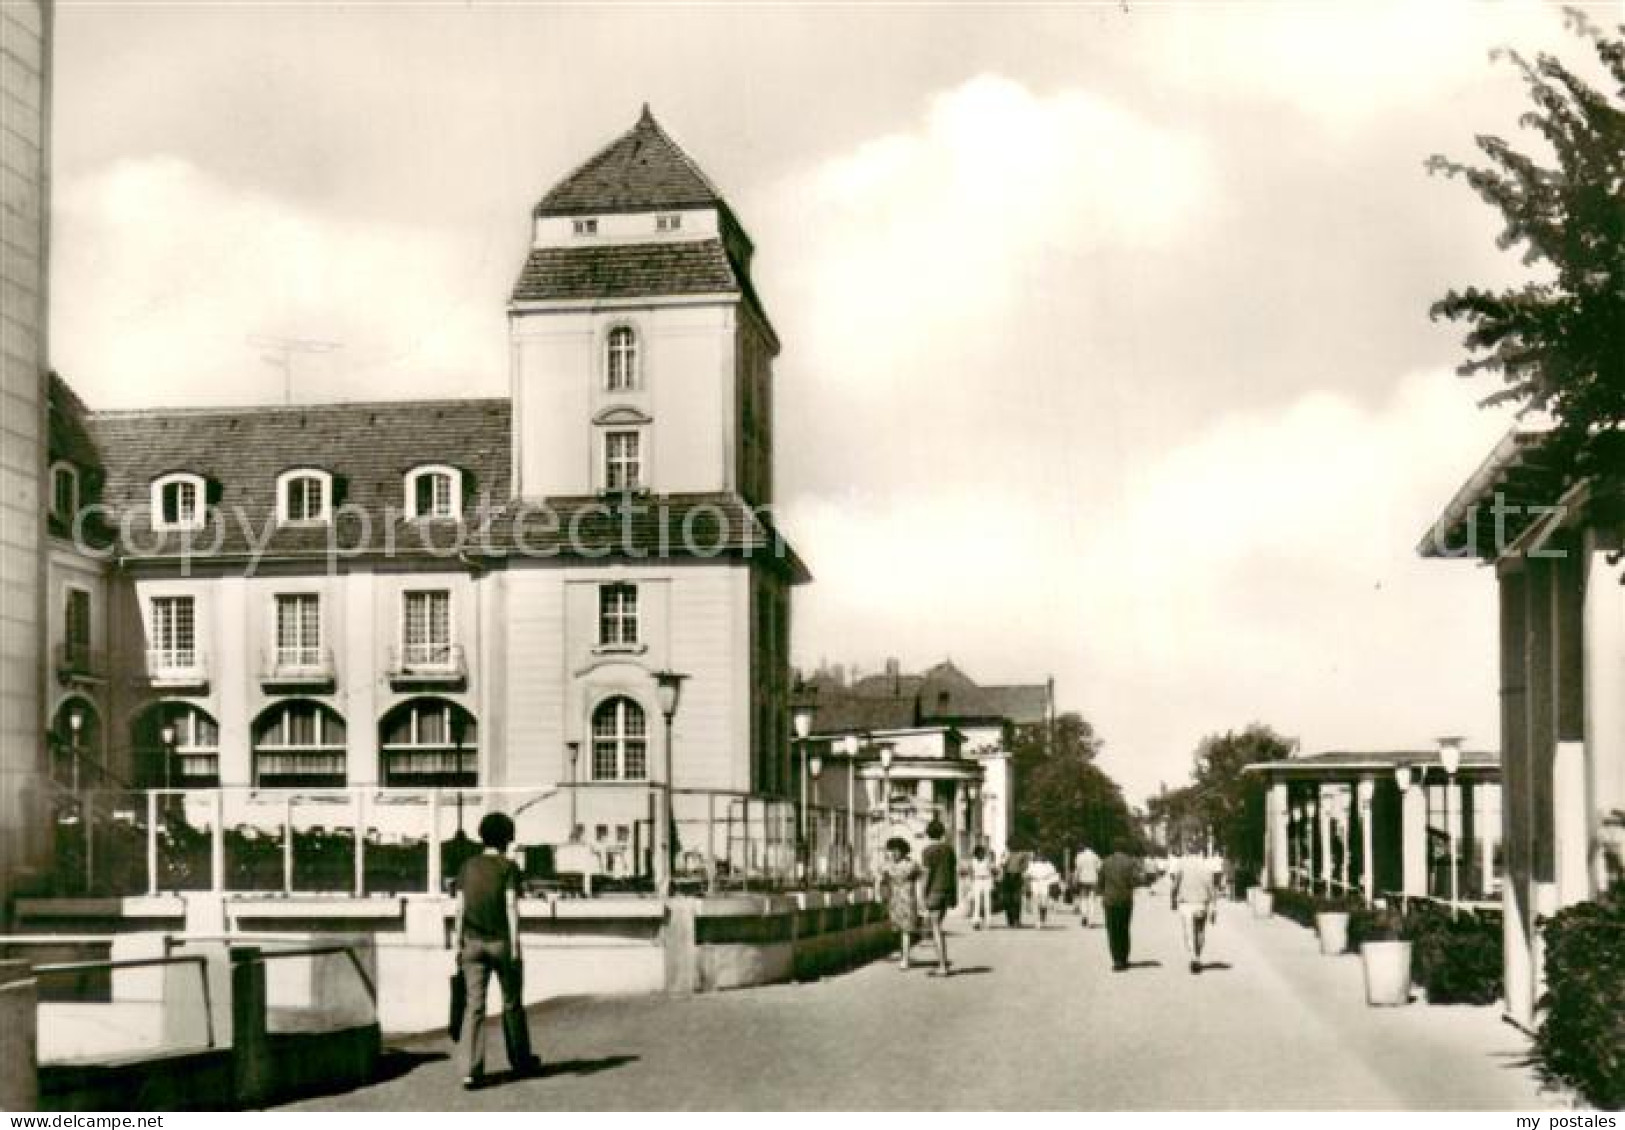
<point>1406,822</point>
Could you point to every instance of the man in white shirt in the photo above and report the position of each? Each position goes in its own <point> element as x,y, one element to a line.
<point>1086,874</point>
<point>1193,898</point>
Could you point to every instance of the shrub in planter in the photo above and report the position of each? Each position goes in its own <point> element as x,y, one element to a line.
<point>1581,1040</point>
<point>1458,957</point>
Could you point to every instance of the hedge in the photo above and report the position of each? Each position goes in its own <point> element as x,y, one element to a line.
<point>1581,1039</point>
<point>1456,958</point>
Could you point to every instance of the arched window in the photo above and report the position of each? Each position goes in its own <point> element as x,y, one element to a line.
<point>304,495</point>
<point>621,360</point>
<point>299,744</point>
<point>64,491</point>
<point>177,746</point>
<point>620,741</point>
<point>178,502</point>
<point>434,492</point>
<point>429,742</point>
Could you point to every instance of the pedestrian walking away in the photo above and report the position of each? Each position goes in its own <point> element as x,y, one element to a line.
<point>1086,874</point>
<point>1011,882</point>
<point>1194,897</point>
<point>1119,879</point>
<point>487,943</point>
<point>1043,884</point>
<point>899,882</point>
<point>941,866</point>
<point>981,887</point>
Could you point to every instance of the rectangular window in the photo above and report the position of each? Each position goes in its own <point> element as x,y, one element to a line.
<point>76,623</point>
<point>585,227</point>
<point>426,628</point>
<point>298,630</point>
<point>179,504</point>
<point>65,493</point>
<point>623,460</point>
<point>305,501</point>
<point>672,221</point>
<point>433,495</point>
<point>174,637</point>
<point>617,615</point>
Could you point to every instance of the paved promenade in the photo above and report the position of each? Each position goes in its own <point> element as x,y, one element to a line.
<point>1030,1020</point>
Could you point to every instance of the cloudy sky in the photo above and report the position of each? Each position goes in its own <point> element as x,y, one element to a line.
<point>1106,341</point>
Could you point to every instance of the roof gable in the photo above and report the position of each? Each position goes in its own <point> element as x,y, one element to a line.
<point>641,170</point>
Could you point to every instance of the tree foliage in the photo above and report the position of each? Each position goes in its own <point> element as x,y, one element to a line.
<point>1558,342</point>
<point>1063,799</point>
<point>1222,800</point>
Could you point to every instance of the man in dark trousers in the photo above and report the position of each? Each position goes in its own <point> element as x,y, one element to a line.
<point>487,939</point>
<point>1011,883</point>
<point>1119,879</point>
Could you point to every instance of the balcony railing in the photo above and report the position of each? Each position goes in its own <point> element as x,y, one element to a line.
<point>422,664</point>
<point>80,661</point>
<point>298,666</point>
<point>177,667</point>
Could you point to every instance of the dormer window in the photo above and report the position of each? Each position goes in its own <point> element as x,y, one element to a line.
<point>621,359</point>
<point>669,222</point>
<point>64,491</point>
<point>304,495</point>
<point>434,492</point>
<point>585,227</point>
<point>178,502</point>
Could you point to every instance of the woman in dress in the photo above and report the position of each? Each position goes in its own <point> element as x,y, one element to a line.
<point>900,879</point>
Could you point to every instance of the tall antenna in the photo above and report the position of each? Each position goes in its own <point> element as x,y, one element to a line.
<point>280,351</point>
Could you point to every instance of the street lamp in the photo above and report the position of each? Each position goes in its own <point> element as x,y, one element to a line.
<point>886,754</point>
<point>1450,758</point>
<point>801,719</point>
<point>574,751</point>
<point>849,750</point>
<point>76,723</point>
<point>669,686</point>
<point>167,735</point>
<point>815,768</point>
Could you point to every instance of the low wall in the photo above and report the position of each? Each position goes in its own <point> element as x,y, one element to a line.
<point>572,947</point>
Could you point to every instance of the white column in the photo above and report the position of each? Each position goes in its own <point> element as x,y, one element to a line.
<point>1414,840</point>
<point>1364,792</point>
<point>1324,811</point>
<point>1278,837</point>
<point>1604,666</point>
<point>1571,819</point>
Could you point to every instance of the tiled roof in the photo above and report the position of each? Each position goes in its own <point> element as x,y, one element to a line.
<point>627,271</point>
<point>641,170</point>
<point>367,447</point>
<point>943,694</point>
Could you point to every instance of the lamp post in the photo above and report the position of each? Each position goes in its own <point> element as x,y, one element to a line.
<point>1450,758</point>
<point>669,685</point>
<point>886,754</point>
<point>167,736</point>
<point>815,767</point>
<point>801,719</point>
<point>76,723</point>
<point>573,749</point>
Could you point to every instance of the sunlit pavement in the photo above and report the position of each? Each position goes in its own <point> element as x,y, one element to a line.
<point>1029,1020</point>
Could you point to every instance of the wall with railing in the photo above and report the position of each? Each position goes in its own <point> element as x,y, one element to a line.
<point>362,841</point>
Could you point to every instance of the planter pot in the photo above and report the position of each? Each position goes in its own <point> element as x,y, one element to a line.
<point>1387,972</point>
<point>1333,928</point>
<point>1263,904</point>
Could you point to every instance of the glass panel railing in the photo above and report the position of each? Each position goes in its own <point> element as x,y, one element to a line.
<point>323,825</point>
<point>317,989</point>
<point>396,847</point>
<point>185,839</point>
<point>256,840</point>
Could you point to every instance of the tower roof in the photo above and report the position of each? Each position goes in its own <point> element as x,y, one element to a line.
<point>639,171</point>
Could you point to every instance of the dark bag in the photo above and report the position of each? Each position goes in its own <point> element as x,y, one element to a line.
<point>459,1005</point>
